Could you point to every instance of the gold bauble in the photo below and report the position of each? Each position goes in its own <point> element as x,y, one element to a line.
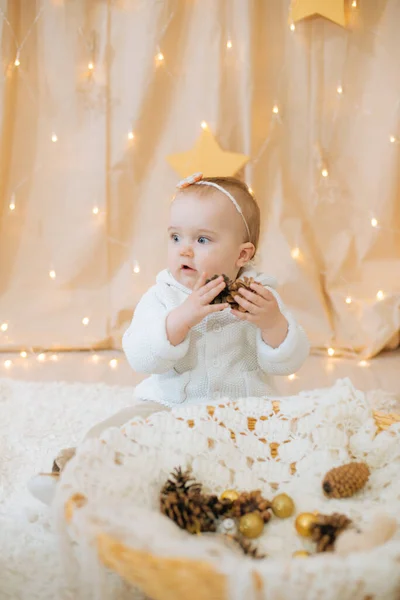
<point>251,525</point>
<point>304,522</point>
<point>231,495</point>
<point>282,506</point>
<point>300,554</point>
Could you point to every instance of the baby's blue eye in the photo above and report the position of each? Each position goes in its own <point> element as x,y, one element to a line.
<point>175,237</point>
<point>203,240</point>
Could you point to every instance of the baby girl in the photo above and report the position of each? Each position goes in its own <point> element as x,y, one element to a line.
<point>197,351</point>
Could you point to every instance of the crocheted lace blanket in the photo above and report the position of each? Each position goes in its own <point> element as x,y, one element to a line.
<point>122,473</point>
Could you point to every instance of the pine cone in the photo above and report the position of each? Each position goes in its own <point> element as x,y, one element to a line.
<point>189,511</point>
<point>223,295</point>
<point>182,500</point>
<point>231,290</point>
<point>326,529</point>
<point>220,508</point>
<point>249,502</point>
<point>344,481</point>
<point>234,291</point>
<point>248,547</point>
<point>181,482</point>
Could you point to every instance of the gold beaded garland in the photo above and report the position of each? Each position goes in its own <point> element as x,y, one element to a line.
<point>231,495</point>
<point>282,506</point>
<point>251,525</point>
<point>304,522</point>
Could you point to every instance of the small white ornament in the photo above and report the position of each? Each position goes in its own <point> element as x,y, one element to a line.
<point>227,526</point>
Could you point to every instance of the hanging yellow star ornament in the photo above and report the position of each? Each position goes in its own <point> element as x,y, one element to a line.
<point>207,157</point>
<point>330,9</point>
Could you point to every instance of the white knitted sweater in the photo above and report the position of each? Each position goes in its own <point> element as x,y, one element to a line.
<point>221,357</point>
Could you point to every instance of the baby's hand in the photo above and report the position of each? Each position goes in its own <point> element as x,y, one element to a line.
<point>197,305</point>
<point>194,309</point>
<point>262,310</point>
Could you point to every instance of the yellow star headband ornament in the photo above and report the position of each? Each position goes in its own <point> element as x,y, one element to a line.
<point>207,157</point>
<point>330,9</point>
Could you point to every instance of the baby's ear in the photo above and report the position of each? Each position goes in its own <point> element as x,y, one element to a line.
<point>247,251</point>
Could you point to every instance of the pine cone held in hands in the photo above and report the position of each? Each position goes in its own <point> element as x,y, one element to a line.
<point>231,290</point>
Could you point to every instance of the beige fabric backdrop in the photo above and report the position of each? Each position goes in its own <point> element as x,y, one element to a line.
<point>49,189</point>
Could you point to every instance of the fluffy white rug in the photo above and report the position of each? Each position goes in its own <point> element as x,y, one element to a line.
<point>36,420</point>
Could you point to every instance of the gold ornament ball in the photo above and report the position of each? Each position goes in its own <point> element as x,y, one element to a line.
<point>251,525</point>
<point>301,554</point>
<point>231,495</point>
<point>282,506</point>
<point>304,522</point>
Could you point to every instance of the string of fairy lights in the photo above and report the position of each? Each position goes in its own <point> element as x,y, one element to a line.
<point>16,67</point>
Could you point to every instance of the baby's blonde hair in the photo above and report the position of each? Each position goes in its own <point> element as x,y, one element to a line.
<point>243,197</point>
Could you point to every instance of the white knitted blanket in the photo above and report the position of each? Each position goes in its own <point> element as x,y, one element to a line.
<point>315,430</point>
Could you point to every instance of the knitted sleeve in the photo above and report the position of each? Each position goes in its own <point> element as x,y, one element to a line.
<point>145,342</point>
<point>293,351</point>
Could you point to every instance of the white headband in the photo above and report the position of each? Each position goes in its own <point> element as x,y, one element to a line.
<point>197,179</point>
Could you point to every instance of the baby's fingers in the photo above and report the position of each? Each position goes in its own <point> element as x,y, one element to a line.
<point>209,296</point>
<point>213,308</point>
<point>211,285</point>
<point>200,282</point>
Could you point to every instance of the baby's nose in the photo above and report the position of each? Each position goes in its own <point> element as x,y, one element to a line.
<point>187,251</point>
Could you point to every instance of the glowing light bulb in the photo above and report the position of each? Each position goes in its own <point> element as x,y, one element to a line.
<point>295,253</point>
<point>229,44</point>
<point>52,274</point>
<point>348,300</point>
<point>41,357</point>
<point>17,62</point>
<point>292,27</point>
<point>95,358</point>
<point>354,4</point>
<point>392,139</point>
<point>54,138</point>
<point>136,267</point>
<point>331,351</point>
<point>85,321</point>
<point>324,172</point>
<point>251,191</point>
<point>204,125</point>
<point>8,364</point>
<point>113,363</point>
<point>11,206</point>
<point>131,135</point>
<point>160,57</point>
<point>95,210</point>
<point>23,354</point>
<point>339,89</point>
<point>374,222</point>
<point>54,357</point>
<point>275,109</point>
<point>292,376</point>
<point>380,295</point>
<point>363,363</point>
<point>91,66</point>
<point>4,327</point>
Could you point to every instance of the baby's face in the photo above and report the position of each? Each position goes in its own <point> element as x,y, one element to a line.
<point>205,235</point>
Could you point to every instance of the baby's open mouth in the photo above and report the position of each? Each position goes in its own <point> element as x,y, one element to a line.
<point>187,268</point>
